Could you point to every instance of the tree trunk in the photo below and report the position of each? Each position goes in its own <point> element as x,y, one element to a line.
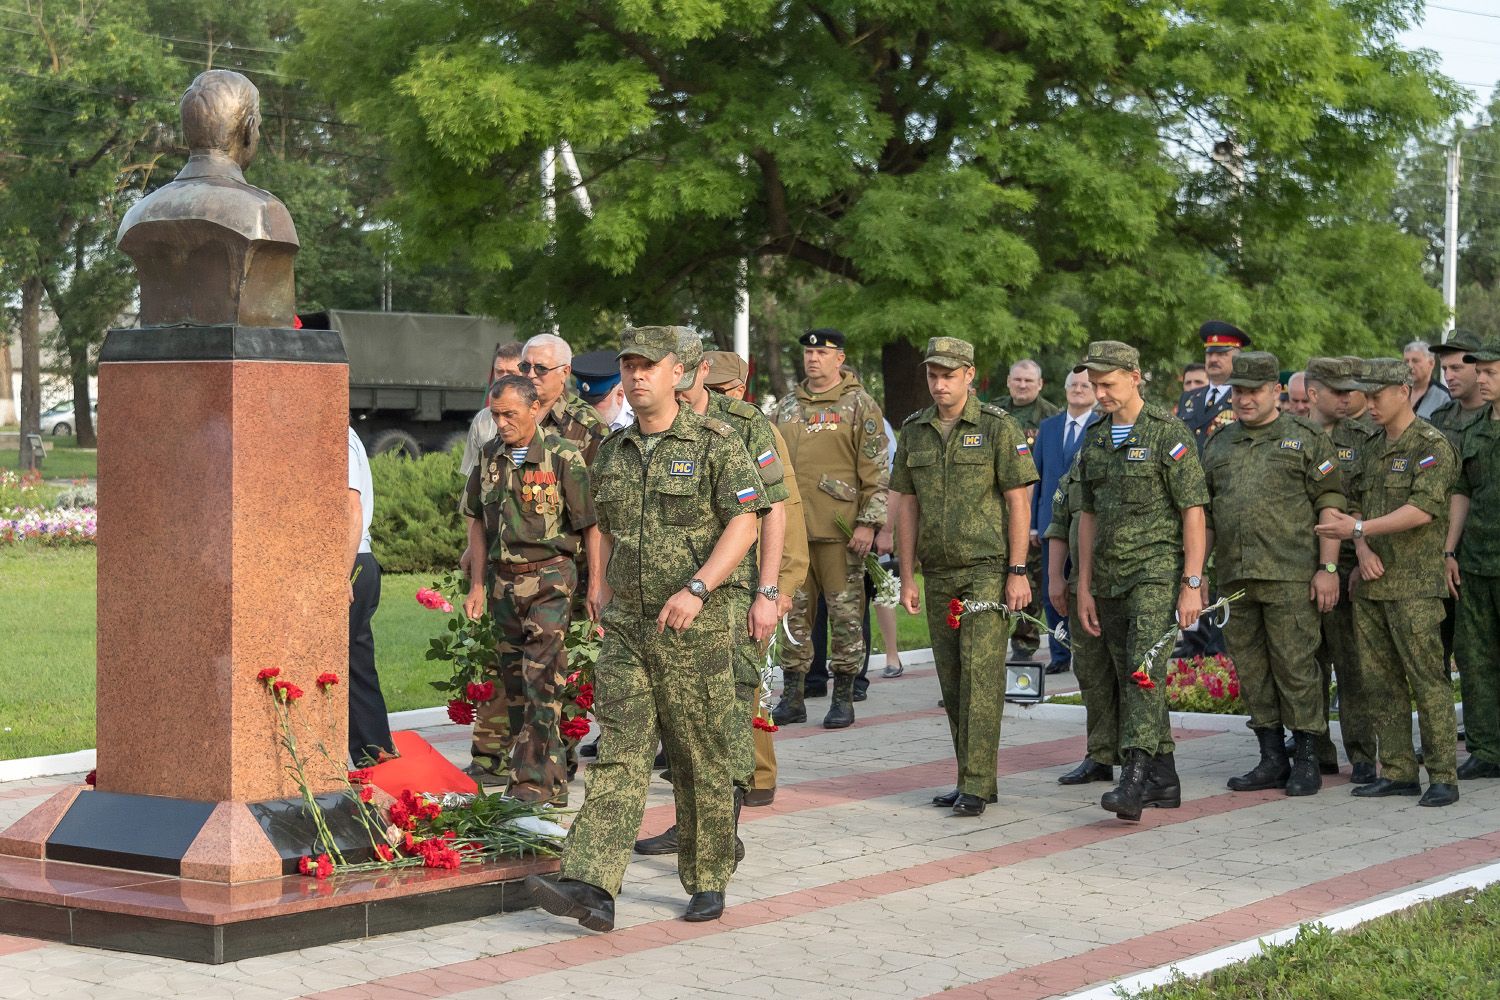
<point>905,386</point>
<point>78,369</point>
<point>31,366</point>
<point>768,358</point>
<point>7,384</point>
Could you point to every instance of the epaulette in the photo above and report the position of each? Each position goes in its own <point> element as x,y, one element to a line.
<point>916,416</point>
<point>740,408</point>
<point>1305,423</point>
<point>993,410</point>
<point>718,426</point>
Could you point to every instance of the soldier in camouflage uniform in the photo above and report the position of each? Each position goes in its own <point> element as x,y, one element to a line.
<point>752,590</point>
<point>961,477</point>
<point>528,506</point>
<point>678,499</point>
<point>1025,405</point>
<point>836,439</point>
<point>1473,568</point>
<point>1271,477</point>
<point>1141,551</point>
<point>1399,525</point>
<point>1096,677</point>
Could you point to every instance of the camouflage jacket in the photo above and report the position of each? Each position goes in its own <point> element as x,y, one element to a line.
<point>1266,486</point>
<point>1479,480</point>
<point>836,439</point>
<point>1349,436</point>
<point>535,510</point>
<point>756,432</point>
<point>1067,504</point>
<point>573,419</point>
<point>1417,468</point>
<point>666,510</point>
<point>1137,493</point>
<point>960,484</point>
<point>1451,418</point>
<point>1029,417</point>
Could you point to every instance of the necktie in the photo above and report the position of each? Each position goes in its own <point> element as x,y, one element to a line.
<point>1070,437</point>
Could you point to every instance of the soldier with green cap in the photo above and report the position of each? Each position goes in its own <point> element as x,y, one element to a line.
<point>961,483</point>
<point>1473,569</point>
<point>1398,523</point>
<point>1140,552</point>
<point>678,499</point>
<point>1271,477</point>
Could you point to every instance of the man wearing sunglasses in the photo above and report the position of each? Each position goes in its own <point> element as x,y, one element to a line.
<point>548,361</point>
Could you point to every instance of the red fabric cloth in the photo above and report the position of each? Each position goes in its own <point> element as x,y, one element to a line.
<point>419,769</point>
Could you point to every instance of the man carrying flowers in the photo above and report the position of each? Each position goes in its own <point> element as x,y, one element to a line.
<point>528,505</point>
<point>960,493</point>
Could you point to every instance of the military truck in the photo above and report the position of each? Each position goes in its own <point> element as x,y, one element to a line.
<point>415,379</point>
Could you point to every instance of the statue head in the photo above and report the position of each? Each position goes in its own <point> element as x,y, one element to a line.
<point>221,113</point>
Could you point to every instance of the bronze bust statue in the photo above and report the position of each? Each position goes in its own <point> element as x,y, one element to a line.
<point>209,248</point>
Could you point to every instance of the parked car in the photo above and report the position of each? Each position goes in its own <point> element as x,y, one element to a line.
<point>59,420</point>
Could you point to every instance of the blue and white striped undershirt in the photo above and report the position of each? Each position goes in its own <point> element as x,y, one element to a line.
<point>1119,432</point>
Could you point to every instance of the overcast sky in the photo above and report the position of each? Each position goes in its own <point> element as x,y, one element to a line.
<point>1466,34</point>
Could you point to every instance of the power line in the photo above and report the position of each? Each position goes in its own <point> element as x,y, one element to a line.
<point>1456,10</point>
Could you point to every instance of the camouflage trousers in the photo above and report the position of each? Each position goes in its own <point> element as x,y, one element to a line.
<point>1129,626</point>
<point>520,725</point>
<point>1099,688</point>
<point>1024,638</point>
<point>678,686</point>
<point>971,670</point>
<point>1273,634</point>
<point>839,576</point>
<point>1356,706</point>
<point>1401,650</point>
<point>750,748</point>
<point>1479,663</point>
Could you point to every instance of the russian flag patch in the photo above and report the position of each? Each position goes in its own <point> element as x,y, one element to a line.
<point>1023,448</point>
<point>747,494</point>
<point>1178,450</point>
<point>766,459</point>
<point>1324,468</point>
<point>1428,462</point>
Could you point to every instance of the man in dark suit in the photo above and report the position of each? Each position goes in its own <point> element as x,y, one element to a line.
<point>1057,443</point>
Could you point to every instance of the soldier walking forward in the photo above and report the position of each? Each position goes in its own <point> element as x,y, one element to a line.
<point>962,471</point>
<point>1140,553</point>
<point>528,506</point>
<point>678,499</point>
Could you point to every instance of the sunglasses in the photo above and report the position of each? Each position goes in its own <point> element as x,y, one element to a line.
<point>527,368</point>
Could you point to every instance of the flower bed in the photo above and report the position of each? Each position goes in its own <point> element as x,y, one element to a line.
<point>1203,684</point>
<point>49,527</point>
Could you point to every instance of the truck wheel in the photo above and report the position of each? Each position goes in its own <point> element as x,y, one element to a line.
<point>397,442</point>
<point>458,439</point>
<point>59,430</point>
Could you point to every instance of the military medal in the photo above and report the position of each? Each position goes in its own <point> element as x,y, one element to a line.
<point>526,489</point>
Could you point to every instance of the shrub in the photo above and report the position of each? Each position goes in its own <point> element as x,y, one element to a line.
<point>17,491</point>
<point>78,496</point>
<point>1204,684</point>
<point>417,527</point>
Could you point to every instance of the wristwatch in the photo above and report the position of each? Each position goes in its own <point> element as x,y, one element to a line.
<point>770,593</point>
<point>1359,529</point>
<point>1193,581</point>
<point>1450,555</point>
<point>1330,568</point>
<point>697,588</point>
<point>1016,570</point>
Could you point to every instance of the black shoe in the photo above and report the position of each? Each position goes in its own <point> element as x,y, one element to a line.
<point>1476,768</point>
<point>589,749</point>
<point>790,708</point>
<point>1306,777</point>
<point>841,711</point>
<point>861,693</point>
<point>1271,771</point>
<point>1125,800</point>
<point>968,805</point>
<point>1439,795</point>
<point>1087,771</point>
<point>663,843</point>
<point>947,799</point>
<point>1361,774</point>
<point>704,906</point>
<point>757,797</point>
<point>1163,789</point>
<point>482,772</point>
<point>1057,668</point>
<point>660,760</point>
<point>1381,787</point>
<point>590,905</point>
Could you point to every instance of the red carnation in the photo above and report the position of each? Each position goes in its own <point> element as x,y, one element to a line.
<point>955,607</point>
<point>304,865</point>
<point>400,815</point>
<point>428,810</point>
<point>409,844</point>
<point>764,724</point>
<point>327,679</point>
<point>366,793</point>
<point>575,728</point>
<point>1143,679</point>
<point>480,692</point>
<point>360,777</point>
<point>384,852</point>
<point>92,778</point>
<point>325,867</point>
<point>286,691</point>
<point>585,699</point>
<point>953,621</point>
<point>268,673</point>
<point>461,712</point>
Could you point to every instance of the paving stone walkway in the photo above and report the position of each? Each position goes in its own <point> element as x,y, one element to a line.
<point>853,886</point>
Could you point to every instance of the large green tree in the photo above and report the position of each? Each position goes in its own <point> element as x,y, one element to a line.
<point>1018,172</point>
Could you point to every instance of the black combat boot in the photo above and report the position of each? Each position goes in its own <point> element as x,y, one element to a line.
<point>1306,776</point>
<point>1126,798</point>
<point>1273,769</point>
<point>1163,790</point>
<point>791,707</point>
<point>841,712</point>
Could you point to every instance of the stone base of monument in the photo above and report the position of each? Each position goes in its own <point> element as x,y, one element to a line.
<point>215,923</point>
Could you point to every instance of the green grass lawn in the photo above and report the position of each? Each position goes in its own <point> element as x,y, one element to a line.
<point>1447,948</point>
<point>47,632</point>
<point>65,460</point>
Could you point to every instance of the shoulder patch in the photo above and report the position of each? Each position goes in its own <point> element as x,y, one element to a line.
<point>1324,468</point>
<point>915,416</point>
<point>1177,451</point>
<point>992,409</point>
<point>1427,461</point>
<point>719,427</point>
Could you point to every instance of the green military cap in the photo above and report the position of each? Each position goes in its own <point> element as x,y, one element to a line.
<point>690,353</point>
<point>1458,342</point>
<point>1336,373</point>
<point>1253,369</point>
<point>1377,373</point>
<point>1108,356</point>
<point>650,342</point>
<point>726,369</point>
<point>949,352</point>
<point>1487,351</point>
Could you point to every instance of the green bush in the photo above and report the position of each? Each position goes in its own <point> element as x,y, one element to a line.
<point>417,527</point>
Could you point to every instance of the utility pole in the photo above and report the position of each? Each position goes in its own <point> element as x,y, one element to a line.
<point>1450,238</point>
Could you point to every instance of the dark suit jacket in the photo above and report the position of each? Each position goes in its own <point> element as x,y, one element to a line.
<point>1193,410</point>
<point>1052,463</point>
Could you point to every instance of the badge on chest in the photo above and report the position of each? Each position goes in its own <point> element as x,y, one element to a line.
<point>823,420</point>
<point>682,467</point>
<point>1137,454</point>
<point>539,488</point>
<point>1400,464</point>
<point>972,441</point>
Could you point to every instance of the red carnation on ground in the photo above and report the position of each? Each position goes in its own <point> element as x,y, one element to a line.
<point>401,815</point>
<point>764,724</point>
<point>409,844</point>
<point>384,852</point>
<point>92,778</point>
<point>305,865</point>
<point>325,867</point>
<point>480,692</point>
<point>432,600</point>
<point>461,712</point>
<point>428,810</point>
<point>327,679</point>
<point>286,691</point>
<point>360,777</point>
<point>575,728</point>
<point>366,793</point>
<point>268,673</point>
<point>585,699</point>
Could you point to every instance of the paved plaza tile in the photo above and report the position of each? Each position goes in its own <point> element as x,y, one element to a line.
<point>854,886</point>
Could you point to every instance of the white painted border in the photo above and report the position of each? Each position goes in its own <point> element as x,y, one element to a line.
<point>1341,920</point>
